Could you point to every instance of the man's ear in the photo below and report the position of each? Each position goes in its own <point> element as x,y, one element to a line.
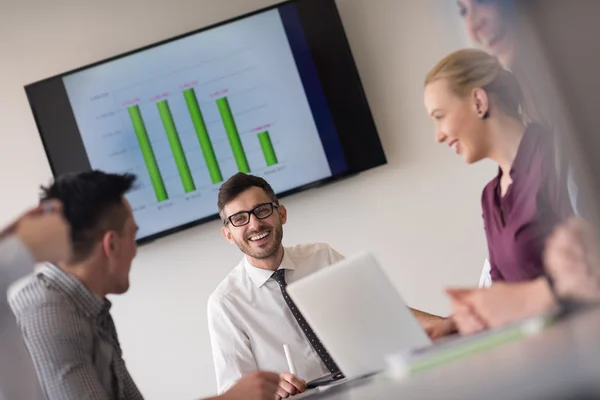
<point>109,243</point>
<point>227,234</point>
<point>282,213</point>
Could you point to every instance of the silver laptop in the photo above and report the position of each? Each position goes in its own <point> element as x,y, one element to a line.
<point>357,314</point>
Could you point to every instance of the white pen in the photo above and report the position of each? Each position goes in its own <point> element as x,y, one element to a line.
<point>290,360</point>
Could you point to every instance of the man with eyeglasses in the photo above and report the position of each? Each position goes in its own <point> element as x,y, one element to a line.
<point>249,320</point>
<point>250,316</point>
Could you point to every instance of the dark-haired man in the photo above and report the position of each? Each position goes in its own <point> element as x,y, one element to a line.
<point>250,316</point>
<point>63,311</point>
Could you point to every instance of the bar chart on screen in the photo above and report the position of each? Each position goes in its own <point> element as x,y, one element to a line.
<point>193,133</point>
<point>186,117</point>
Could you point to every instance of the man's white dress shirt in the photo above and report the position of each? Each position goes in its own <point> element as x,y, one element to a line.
<point>18,380</point>
<point>249,321</point>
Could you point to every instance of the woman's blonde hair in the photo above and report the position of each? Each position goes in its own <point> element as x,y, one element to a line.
<point>467,69</point>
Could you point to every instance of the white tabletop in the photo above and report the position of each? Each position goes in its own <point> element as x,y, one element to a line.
<point>562,361</point>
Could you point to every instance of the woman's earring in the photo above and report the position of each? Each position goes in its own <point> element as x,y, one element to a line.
<point>482,115</point>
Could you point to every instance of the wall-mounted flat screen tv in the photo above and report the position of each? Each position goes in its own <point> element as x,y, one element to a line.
<point>274,93</point>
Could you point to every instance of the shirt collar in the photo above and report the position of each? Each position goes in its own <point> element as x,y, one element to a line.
<point>532,138</point>
<point>260,276</point>
<point>83,298</point>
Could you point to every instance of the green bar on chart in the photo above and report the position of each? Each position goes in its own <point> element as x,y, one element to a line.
<point>148,153</point>
<point>232,134</point>
<point>176,148</point>
<point>202,133</point>
<point>267,148</point>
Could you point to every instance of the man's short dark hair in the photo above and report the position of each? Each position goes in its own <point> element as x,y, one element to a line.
<point>238,184</point>
<point>93,204</point>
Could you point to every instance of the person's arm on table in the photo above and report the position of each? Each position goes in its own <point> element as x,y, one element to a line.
<point>571,258</point>
<point>434,325</point>
<point>502,303</point>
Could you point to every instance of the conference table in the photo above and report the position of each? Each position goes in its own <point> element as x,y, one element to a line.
<point>560,362</point>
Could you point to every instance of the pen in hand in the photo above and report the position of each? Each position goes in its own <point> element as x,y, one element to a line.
<point>290,360</point>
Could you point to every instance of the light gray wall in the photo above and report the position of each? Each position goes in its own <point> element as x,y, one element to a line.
<point>420,214</point>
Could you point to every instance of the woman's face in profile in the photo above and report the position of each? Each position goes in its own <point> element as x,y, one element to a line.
<point>489,24</point>
<point>456,121</point>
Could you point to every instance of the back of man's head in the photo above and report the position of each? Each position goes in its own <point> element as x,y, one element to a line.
<point>92,204</point>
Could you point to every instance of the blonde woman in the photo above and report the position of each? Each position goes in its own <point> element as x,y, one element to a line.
<point>476,108</point>
<point>497,27</point>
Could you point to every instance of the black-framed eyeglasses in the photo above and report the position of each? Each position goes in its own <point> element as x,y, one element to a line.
<point>242,218</point>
